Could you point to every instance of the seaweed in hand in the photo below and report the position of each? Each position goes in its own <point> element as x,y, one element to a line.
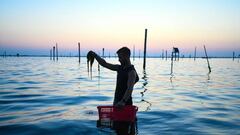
<point>90,59</point>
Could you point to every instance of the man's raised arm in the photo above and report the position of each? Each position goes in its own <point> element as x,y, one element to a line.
<point>103,63</point>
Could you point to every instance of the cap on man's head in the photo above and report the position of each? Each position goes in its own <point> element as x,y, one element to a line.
<point>124,50</point>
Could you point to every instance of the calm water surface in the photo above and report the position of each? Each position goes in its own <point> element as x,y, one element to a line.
<point>39,96</point>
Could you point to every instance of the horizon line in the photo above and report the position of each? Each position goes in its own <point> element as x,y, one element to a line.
<point>111,56</point>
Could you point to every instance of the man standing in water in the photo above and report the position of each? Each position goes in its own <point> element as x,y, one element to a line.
<point>126,76</point>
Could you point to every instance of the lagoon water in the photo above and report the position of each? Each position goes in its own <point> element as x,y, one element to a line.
<point>39,96</point>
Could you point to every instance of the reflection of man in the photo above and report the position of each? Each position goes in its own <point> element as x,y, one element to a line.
<point>125,128</point>
<point>126,76</point>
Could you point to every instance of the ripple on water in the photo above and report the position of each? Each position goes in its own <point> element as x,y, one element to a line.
<point>215,123</point>
<point>13,96</point>
<point>64,100</point>
<point>26,88</point>
<point>33,82</point>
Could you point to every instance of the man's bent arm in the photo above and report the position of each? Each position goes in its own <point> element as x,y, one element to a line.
<point>131,81</point>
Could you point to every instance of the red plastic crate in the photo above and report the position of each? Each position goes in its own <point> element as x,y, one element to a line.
<point>111,113</point>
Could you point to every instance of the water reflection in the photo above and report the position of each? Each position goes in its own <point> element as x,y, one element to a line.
<point>98,79</point>
<point>208,76</point>
<point>171,81</point>
<point>119,127</point>
<point>145,82</point>
<point>125,128</point>
<point>149,104</point>
<point>171,77</point>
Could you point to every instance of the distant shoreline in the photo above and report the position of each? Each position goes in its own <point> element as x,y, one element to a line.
<point>2,56</point>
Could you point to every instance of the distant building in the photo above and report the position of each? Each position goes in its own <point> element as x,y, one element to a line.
<point>175,52</point>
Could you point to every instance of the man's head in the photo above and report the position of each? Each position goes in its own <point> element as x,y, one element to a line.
<point>124,55</point>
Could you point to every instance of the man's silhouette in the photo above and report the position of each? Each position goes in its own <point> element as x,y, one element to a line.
<point>126,76</point>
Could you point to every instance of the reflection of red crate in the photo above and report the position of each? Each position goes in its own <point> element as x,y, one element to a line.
<point>127,113</point>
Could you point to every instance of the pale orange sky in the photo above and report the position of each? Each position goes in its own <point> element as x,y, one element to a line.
<point>96,24</point>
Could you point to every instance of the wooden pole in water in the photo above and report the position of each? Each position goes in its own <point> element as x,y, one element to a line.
<point>162,54</point>
<point>54,53</point>
<point>195,52</point>
<point>175,55</point>
<point>207,59</point>
<point>57,51</point>
<point>98,63</point>
<point>145,47</point>
<point>139,52</point>
<point>172,62</point>
<point>178,56</point>
<point>166,54</point>
<point>79,53</point>
<point>50,54</point>
<point>133,52</point>
<point>233,55</point>
<point>103,52</point>
<point>238,57</point>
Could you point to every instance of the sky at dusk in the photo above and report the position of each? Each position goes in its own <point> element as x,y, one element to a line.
<point>34,26</point>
